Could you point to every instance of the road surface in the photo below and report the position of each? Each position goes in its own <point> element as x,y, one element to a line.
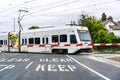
<point>21,66</point>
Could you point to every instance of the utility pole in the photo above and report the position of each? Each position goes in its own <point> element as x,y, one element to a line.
<point>13,24</point>
<point>20,17</point>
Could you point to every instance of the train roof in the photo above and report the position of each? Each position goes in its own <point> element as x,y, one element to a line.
<point>51,28</point>
<point>4,33</point>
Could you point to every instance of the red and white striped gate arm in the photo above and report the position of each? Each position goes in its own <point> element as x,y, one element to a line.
<point>106,44</point>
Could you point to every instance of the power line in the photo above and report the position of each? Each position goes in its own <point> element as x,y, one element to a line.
<point>8,14</point>
<point>29,8</point>
<point>52,7</point>
<point>3,22</point>
<point>47,4</point>
<point>88,6</point>
<point>8,9</point>
<point>97,4</point>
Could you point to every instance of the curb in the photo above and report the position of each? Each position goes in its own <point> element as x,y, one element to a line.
<point>103,58</point>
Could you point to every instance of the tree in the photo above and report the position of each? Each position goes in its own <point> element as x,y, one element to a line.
<point>110,18</point>
<point>104,17</point>
<point>116,40</point>
<point>12,36</point>
<point>33,27</point>
<point>98,33</point>
<point>82,19</point>
<point>92,23</point>
<point>103,36</point>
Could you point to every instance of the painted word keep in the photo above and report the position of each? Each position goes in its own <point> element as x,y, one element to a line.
<point>53,68</point>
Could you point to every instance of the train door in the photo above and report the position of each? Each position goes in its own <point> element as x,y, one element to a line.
<point>5,45</point>
<point>46,43</point>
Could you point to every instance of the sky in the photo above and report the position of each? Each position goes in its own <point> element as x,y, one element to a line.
<point>44,13</point>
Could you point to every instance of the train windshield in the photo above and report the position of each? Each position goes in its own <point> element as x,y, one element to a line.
<point>84,35</point>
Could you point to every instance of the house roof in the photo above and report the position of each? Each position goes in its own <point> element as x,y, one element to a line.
<point>107,21</point>
<point>118,23</point>
<point>114,27</point>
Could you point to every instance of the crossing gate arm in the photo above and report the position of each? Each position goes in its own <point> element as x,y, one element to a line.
<point>106,44</point>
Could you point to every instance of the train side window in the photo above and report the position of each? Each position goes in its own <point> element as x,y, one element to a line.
<point>54,38</point>
<point>31,41</point>
<point>1,42</point>
<point>23,42</point>
<point>37,40</point>
<point>63,38</point>
<point>5,42</point>
<point>47,41</point>
<point>43,40</point>
<point>73,39</point>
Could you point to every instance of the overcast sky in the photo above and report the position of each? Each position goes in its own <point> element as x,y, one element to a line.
<point>53,12</point>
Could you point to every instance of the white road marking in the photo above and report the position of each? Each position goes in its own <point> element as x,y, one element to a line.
<point>62,67</point>
<point>72,68</point>
<point>90,69</point>
<point>52,68</point>
<point>40,66</point>
<point>2,65</point>
<point>7,67</point>
<point>105,61</point>
<point>14,60</point>
<point>28,65</point>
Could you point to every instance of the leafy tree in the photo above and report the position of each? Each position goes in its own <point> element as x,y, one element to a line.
<point>82,19</point>
<point>12,36</point>
<point>33,27</point>
<point>103,36</point>
<point>110,18</point>
<point>116,40</point>
<point>104,17</point>
<point>98,33</point>
<point>92,23</point>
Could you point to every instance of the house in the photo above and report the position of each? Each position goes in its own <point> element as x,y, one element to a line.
<point>112,26</point>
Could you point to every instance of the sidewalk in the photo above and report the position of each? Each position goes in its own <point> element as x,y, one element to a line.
<point>112,59</point>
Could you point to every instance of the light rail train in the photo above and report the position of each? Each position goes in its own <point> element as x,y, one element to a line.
<point>67,39</point>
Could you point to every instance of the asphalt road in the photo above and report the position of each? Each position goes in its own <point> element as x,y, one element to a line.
<point>21,66</point>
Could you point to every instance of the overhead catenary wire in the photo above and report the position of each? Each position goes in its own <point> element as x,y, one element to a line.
<point>11,8</point>
<point>38,6</point>
<point>8,9</point>
<point>52,7</point>
<point>26,2</point>
<point>11,14</point>
<point>88,6</point>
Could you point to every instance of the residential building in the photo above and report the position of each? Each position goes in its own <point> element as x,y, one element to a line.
<point>112,26</point>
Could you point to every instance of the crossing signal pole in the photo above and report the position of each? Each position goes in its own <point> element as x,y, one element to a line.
<point>20,17</point>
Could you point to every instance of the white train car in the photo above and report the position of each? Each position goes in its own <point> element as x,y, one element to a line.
<point>67,39</point>
<point>3,42</point>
